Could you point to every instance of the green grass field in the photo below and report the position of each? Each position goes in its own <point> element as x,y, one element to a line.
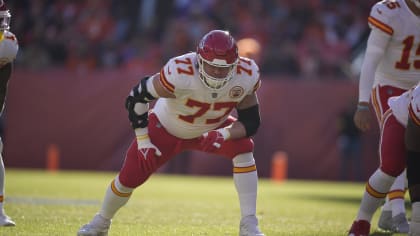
<point>44,203</point>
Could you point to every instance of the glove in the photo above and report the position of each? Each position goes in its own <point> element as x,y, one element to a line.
<point>144,145</point>
<point>213,139</point>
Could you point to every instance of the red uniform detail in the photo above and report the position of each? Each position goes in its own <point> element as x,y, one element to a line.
<point>137,169</point>
<point>392,147</point>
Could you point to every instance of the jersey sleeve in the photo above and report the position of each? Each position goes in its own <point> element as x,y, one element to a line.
<point>249,70</point>
<point>382,16</point>
<point>177,73</point>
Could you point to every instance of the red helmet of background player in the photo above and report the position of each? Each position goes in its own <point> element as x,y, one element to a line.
<point>218,56</point>
<point>4,16</point>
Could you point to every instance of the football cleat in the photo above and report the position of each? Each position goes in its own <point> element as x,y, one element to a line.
<point>396,224</point>
<point>400,224</point>
<point>249,226</point>
<point>99,226</point>
<point>385,220</point>
<point>6,221</point>
<point>360,228</point>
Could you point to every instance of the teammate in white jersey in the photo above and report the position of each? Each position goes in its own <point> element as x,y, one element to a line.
<point>195,92</point>
<point>391,66</point>
<point>406,110</point>
<point>8,51</point>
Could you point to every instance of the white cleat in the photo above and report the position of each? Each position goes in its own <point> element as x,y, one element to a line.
<point>400,224</point>
<point>99,226</point>
<point>249,227</point>
<point>6,221</point>
<point>385,220</point>
<point>396,224</point>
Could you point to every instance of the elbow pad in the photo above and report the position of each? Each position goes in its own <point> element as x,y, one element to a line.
<point>137,105</point>
<point>250,118</point>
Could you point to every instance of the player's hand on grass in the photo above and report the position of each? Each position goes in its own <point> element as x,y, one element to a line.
<point>213,139</point>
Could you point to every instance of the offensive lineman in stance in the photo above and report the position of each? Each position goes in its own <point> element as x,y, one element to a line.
<point>195,93</point>
<point>8,51</point>
<point>391,66</point>
<point>406,111</point>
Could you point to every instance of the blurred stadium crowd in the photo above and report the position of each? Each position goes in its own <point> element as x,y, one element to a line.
<point>297,38</point>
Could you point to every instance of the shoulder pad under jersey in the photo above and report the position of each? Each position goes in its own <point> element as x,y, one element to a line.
<point>179,71</point>
<point>248,70</point>
<point>383,15</point>
<point>8,47</point>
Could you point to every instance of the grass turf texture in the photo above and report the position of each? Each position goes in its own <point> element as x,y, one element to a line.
<point>44,203</point>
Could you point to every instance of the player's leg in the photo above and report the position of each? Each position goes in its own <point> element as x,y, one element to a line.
<point>116,196</point>
<point>393,214</point>
<point>246,183</point>
<point>392,154</point>
<point>378,185</point>
<point>412,141</point>
<point>244,175</point>
<point>4,219</point>
<point>385,219</point>
<point>135,171</point>
<point>391,217</point>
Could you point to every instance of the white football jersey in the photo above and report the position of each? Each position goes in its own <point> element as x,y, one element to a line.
<point>196,108</point>
<point>8,47</point>
<point>400,66</point>
<point>405,104</point>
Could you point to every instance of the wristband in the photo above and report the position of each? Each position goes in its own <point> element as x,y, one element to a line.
<point>362,107</point>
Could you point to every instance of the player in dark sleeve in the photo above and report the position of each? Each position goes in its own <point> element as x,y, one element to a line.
<point>8,50</point>
<point>5,73</point>
<point>412,143</point>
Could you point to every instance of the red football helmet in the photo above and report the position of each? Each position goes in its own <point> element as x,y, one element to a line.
<point>4,16</point>
<point>217,55</point>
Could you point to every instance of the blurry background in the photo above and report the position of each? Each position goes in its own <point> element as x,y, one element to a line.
<point>78,60</point>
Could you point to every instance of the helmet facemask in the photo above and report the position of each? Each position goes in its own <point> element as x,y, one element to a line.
<point>5,20</point>
<point>217,56</point>
<point>215,82</point>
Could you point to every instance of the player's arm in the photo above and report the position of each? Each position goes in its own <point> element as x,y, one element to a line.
<point>375,50</point>
<point>376,46</point>
<point>245,126</point>
<point>5,73</point>
<point>248,118</point>
<point>137,102</point>
<point>137,105</point>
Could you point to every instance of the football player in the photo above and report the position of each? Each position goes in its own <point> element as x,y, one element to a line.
<point>391,66</point>
<point>195,92</point>
<point>8,51</point>
<point>412,142</point>
<point>406,111</point>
